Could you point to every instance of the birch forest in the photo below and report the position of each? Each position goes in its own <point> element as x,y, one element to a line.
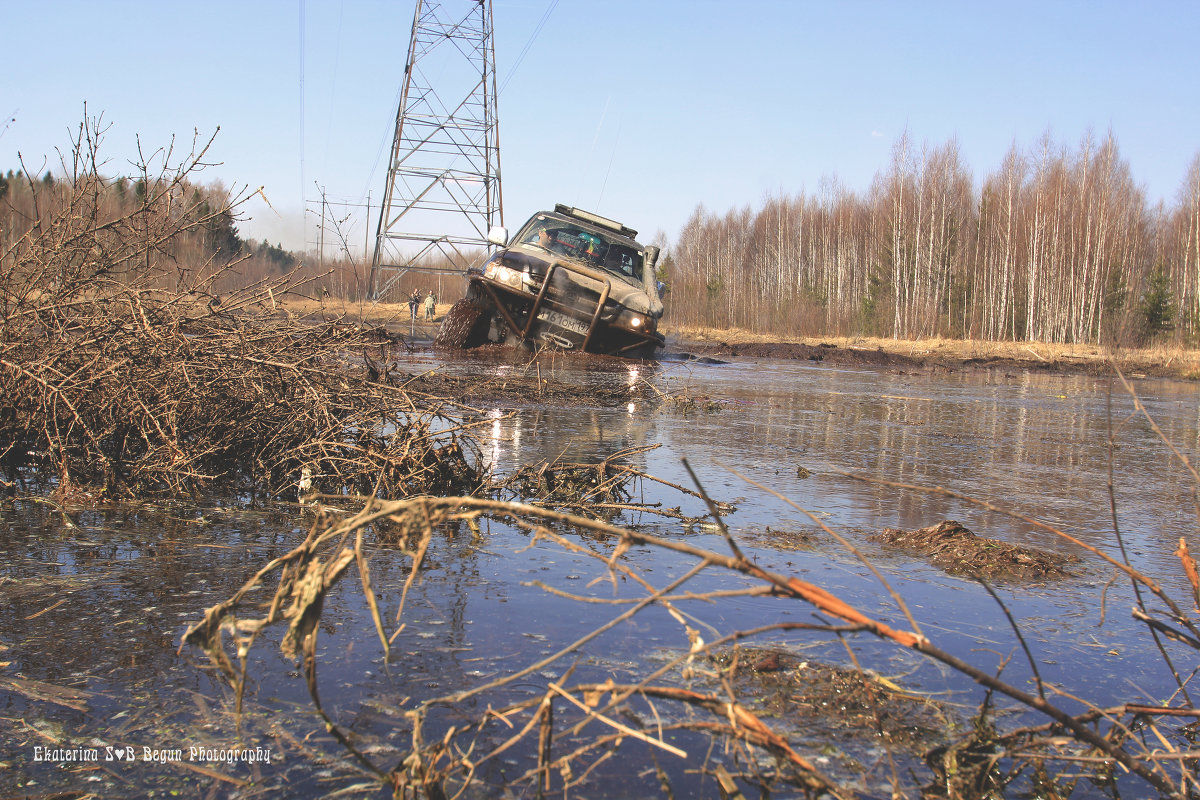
<point>1058,244</point>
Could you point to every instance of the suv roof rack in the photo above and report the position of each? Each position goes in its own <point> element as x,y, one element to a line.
<point>596,219</point>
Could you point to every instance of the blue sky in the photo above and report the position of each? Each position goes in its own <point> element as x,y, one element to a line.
<point>682,102</point>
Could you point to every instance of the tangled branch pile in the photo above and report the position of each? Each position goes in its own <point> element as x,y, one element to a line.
<point>556,737</point>
<point>122,373</point>
<point>443,763</point>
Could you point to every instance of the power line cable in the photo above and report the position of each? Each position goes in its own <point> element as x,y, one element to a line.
<point>9,120</point>
<point>612,157</point>
<point>384,140</point>
<point>521,57</point>
<point>337,58</point>
<point>303,199</point>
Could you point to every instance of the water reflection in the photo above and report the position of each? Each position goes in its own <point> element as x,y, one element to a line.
<point>102,609</point>
<point>1035,442</point>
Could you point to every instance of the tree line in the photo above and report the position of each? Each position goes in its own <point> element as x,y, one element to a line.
<point>206,240</point>
<point>1057,245</point>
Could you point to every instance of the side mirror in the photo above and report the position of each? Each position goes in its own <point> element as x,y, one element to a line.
<point>498,235</point>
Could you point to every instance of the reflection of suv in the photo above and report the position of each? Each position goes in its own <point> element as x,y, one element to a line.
<point>569,279</point>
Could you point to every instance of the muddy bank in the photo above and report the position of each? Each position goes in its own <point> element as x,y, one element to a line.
<point>943,354</point>
<point>831,353</point>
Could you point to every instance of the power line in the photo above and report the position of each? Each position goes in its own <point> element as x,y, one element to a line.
<point>521,57</point>
<point>337,57</point>
<point>303,188</point>
<point>9,120</point>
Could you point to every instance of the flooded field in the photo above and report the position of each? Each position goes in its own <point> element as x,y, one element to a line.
<point>97,696</point>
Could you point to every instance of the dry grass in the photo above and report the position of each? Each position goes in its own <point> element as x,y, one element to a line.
<point>366,312</point>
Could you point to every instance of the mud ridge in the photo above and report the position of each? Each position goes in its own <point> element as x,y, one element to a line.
<point>953,548</point>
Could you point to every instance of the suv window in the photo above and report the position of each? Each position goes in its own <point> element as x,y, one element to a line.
<point>590,247</point>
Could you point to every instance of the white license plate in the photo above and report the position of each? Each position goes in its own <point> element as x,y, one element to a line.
<point>563,321</point>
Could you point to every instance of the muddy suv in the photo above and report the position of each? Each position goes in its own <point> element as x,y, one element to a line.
<point>569,279</point>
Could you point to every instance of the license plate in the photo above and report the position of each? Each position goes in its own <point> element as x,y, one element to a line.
<point>561,320</point>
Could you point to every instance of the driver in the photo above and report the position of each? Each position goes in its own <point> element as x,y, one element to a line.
<point>541,239</point>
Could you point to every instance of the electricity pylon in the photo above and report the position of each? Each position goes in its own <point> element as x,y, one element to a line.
<point>443,181</point>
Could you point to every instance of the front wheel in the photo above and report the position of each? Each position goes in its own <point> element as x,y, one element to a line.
<point>465,325</point>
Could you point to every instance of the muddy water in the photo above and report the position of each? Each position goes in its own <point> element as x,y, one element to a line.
<point>91,616</point>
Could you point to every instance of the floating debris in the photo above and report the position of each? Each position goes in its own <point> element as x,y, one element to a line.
<point>952,547</point>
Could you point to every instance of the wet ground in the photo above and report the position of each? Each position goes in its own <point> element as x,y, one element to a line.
<point>91,610</point>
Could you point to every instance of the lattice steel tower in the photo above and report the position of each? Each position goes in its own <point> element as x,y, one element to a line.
<point>443,181</point>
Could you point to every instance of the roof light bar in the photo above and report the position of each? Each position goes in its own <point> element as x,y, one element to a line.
<point>596,219</point>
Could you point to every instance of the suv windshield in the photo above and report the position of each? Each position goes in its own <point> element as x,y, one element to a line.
<point>592,247</point>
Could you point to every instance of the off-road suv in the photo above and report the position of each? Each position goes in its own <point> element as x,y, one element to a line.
<point>569,279</point>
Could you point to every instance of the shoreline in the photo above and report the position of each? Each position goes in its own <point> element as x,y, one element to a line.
<point>1158,362</point>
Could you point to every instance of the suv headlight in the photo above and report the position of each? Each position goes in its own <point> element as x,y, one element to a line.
<point>498,272</point>
<point>637,322</point>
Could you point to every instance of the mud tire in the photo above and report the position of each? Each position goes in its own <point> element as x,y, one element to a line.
<point>464,326</point>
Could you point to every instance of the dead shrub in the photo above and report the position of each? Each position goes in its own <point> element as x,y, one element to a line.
<point>123,374</point>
